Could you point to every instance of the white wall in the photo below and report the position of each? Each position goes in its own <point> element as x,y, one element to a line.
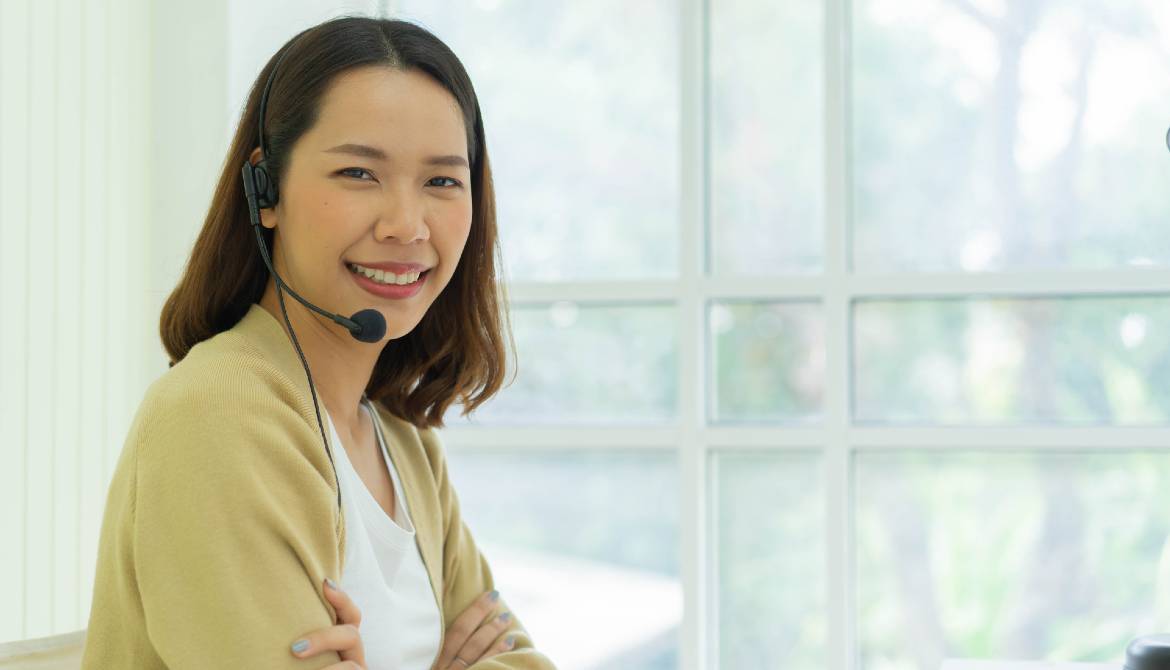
<point>189,139</point>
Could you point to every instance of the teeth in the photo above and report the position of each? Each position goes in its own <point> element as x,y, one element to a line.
<point>385,277</point>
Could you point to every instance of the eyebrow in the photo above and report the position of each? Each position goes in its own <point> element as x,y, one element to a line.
<point>366,151</point>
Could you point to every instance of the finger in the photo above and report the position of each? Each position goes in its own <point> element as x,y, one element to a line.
<point>334,638</point>
<point>464,626</point>
<point>346,665</point>
<point>505,643</point>
<point>459,663</point>
<point>483,638</point>
<point>347,610</point>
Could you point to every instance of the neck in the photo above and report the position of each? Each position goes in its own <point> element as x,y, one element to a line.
<point>341,366</point>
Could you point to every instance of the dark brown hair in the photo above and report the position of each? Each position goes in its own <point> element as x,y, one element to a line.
<point>457,347</point>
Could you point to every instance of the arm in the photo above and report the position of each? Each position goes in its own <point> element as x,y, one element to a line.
<point>466,573</point>
<point>234,528</point>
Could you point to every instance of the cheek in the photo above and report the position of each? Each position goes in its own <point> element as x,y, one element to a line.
<point>464,225</point>
<point>458,245</point>
<point>451,236</point>
<point>327,220</point>
<point>450,241</point>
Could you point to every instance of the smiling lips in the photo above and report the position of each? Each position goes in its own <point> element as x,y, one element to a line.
<point>393,288</point>
<point>388,278</point>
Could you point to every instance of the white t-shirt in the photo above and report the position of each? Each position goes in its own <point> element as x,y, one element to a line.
<point>384,573</point>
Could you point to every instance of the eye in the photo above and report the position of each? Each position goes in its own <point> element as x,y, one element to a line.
<point>454,183</point>
<point>347,171</point>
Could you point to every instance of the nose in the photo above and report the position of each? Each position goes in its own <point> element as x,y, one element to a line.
<point>403,218</point>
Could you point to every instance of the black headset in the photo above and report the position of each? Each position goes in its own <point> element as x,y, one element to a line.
<point>367,325</point>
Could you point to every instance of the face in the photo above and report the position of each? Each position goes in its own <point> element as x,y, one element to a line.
<point>382,177</point>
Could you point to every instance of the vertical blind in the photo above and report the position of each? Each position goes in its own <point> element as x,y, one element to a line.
<point>74,200</point>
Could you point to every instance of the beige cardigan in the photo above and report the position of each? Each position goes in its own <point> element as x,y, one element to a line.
<point>221,520</point>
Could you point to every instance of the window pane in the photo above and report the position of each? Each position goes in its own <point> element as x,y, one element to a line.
<point>766,136</point>
<point>771,560</point>
<point>999,361</point>
<point>580,108</point>
<point>587,364</point>
<point>769,361</point>
<point>596,559</point>
<point>1058,557</point>
<point>1000,135</point>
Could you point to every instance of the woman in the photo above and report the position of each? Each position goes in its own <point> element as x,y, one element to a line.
<point>231,504</point>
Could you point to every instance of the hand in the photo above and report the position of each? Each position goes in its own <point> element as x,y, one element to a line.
<point>472,634</point>
<point>343,637</point>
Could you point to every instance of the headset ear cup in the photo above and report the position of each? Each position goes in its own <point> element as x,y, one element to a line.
<point>266,195</point>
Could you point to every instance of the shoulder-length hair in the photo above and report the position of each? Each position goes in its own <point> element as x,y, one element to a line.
<point>457,347</point>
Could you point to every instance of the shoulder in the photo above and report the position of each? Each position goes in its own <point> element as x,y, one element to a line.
<point>221,372</point>
<point>225,404</point>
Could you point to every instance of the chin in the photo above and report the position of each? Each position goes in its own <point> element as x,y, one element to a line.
<point>395,328</point>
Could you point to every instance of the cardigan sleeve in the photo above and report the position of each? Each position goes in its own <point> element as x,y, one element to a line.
<point>234,527</point>
<point>466,574</point>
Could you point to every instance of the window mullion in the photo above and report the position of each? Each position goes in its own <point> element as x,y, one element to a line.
<point>695,631</point>
<point>836,465</point>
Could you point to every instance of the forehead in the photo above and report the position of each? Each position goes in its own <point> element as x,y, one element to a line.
<point>399,111</point>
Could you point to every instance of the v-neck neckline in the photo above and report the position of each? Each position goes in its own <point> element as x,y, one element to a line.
<point>382,523</point>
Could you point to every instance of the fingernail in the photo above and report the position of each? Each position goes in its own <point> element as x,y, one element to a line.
<point>299,646</point>
<point>332,584</point>
<point>505,617</point>
<point>495,595</point>
<point>510,641</point>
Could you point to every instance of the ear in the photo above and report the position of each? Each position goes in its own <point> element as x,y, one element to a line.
<point>268,217</point>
